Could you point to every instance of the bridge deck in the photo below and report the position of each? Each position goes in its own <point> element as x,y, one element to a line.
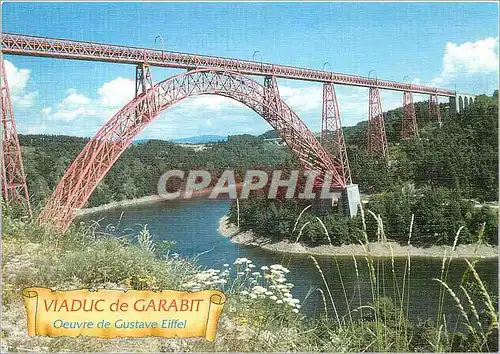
<point>18,44</point>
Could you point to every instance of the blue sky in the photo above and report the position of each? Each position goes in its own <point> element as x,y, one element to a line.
<point>442,44</point>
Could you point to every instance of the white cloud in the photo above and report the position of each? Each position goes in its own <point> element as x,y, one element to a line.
<point>304,98</point>
<point>26,100</point>
<point>17,80</point>
<point>468,59</point>
<point>116,93</point>
<point>74,99</point>
<point>73,106</point>
<point>112,95</point>
<point>208,102</point>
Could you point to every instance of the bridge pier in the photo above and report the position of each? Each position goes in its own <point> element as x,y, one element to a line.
<point>332,135</point>
<point>409,128</point>
<point>452,111</point>
<point>14,187</point>
<point>465,101</point>
<point>376,138</point>
<point>349,201</point>
<point>434,108</point>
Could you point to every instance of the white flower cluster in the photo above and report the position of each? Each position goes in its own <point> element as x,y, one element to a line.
<point>207,279</point>
<point>268,284</point>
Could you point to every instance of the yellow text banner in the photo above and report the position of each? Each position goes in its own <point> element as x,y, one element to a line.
<point>118,313</point>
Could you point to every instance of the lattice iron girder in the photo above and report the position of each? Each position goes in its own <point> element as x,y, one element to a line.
<point>332,136</point>
<point>14,187</point>
<point>106,146</point>
<point>376,136</point>
<point>409,126</point>
<point>434,108</point>
<point>17,44</point>
<point>274,99</point>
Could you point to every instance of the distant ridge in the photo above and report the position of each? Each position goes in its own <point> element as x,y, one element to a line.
<point>200,139</point>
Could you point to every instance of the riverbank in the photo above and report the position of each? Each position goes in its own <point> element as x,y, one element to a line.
<point>378,249</point>
<point>149,199</point>
<point>123,203</point>
<point>28,250</point>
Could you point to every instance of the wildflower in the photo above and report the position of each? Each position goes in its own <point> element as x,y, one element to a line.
<point>295,310</point>
<point>253,296</point>
<point>248,270</point>
<point>274,298</point>
<point>240,273</point>
<point>256,274</point>
<point>297,306</point>
<point>264,268</point>
<point>269,293</point>
<point>259,289</point>
<point>251,266</point>
<point>225,265</point>
<point>279,301</point>
<point>244,292</point>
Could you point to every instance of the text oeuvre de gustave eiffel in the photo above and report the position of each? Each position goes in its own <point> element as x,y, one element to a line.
<point>116,313</point>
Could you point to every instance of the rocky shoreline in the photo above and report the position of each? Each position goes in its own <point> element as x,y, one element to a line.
<point>123,203</point>
<point>378,249</point>
<point>149,199</point>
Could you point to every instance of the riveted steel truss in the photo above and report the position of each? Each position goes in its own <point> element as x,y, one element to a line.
<point>272,99</point>
<point>332,136</point>
<point>409,127</point>
<point>101,152</point>
<point>376,137</point>
<point>434,108</point>
<point>18,44</point>
<point>14,188</point>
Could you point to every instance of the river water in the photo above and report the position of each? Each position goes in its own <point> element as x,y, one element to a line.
<point>193,224</point>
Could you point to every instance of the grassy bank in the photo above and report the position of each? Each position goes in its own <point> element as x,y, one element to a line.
<point>261,313</point>
<point>379,248</point>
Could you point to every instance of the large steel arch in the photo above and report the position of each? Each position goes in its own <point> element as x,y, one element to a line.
<point>101,152</point>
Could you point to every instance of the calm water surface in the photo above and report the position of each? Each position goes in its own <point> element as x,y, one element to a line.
<point>193,226</point>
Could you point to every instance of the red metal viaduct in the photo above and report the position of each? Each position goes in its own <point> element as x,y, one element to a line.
<point>203,75</point>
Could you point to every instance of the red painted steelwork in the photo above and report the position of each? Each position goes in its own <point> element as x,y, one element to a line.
<point>112,139</point>
<point>14,188</point>
<point>332,136</point>
<point>409,126</point>
<point>434,108</point>
<point>18,44</point>
<point>376,137</point>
